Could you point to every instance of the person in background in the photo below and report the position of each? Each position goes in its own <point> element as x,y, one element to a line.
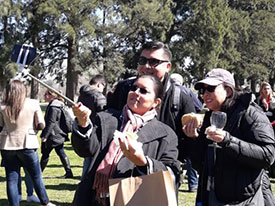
<point>155,59</point>
<point>155,148</point>
<point>177,79</point>
<point>266,100</point>
<point>91,96</point>
<point>52,136</point>
<point>29,185</point>
<point>232,172</point>
<point>192,175</point>
<point>29,188</point>
<point>20,118</point>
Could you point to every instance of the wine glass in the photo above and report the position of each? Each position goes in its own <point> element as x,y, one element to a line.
<point>218,120</point>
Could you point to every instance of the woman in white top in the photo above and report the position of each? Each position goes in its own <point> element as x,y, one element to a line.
<point>20,117</point>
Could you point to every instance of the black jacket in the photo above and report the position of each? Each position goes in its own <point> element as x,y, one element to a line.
<point>159,144</point>
<point>52,131</point>
<point>167,112</point>
<point>92,98</point>
<point>247,149</point>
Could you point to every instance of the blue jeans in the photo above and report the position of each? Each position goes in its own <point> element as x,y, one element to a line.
<point>191,175</point>
<point>28,158</point>
<point>86,164</point>
<point>28,183</point>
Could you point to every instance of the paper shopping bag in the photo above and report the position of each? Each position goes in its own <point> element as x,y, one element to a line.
<point>154,189</point>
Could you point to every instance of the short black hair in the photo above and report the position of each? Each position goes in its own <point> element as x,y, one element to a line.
<point>155,45</point>
<point>97,79</point>
<point>158,87</point>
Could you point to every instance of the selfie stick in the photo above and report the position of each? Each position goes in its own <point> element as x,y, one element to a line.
<point>21,67</point>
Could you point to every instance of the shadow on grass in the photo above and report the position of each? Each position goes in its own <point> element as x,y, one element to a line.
<point>68,147</point>
<point>4,202</point>
<point>62,186</point>
<point>183,190</point>
<point>61,177</point>
<point>61,166</point>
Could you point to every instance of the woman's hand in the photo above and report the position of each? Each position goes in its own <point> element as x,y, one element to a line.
<point>82,113</point>
<point>133,151</point>
<point>190,129</point>
<point>214,134</point>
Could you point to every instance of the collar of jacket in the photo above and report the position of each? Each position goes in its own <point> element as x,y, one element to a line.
<point>150,128</point>
<point>166,83</point>
<point>56,103</point>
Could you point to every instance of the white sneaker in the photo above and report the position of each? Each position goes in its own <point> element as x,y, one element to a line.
<point>20,197</point>
<point>50,204</point>
<point>33,198</point>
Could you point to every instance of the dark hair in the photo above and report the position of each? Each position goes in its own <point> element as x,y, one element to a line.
<point>231,100</point>
<point>158,45</point>
<point>14,97</point>
<point>97,79</point>
<point>55,96</point>
<point>158,87</point>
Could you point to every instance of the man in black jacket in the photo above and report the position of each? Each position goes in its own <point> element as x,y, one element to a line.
<point>155,59</point>
<point>91,95</point>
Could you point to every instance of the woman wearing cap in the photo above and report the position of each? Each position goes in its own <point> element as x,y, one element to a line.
<point>244,147</point>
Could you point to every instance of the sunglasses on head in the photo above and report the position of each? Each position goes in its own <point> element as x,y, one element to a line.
<point>208,88</point>
<point>141,90</point>
<point>152,61</point>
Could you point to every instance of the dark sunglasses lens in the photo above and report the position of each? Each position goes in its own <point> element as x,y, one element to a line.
<point>209,89</point>
<point>142,61</point>
<point>133,88</point>
<point>142,90</point>
<point>154,62</point>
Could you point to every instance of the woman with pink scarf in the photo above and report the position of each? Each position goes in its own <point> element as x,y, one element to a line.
<point>114,153</point>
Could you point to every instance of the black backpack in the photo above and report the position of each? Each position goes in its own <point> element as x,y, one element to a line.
<point>176,99</point>
<point>66,121</point>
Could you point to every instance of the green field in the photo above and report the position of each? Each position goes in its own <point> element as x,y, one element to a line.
<point>61,191</point>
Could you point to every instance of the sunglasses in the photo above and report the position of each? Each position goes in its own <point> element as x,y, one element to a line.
<point>152,61</point>
<point>48,93</point>
<point>141,90</point>
<point>209,89</point>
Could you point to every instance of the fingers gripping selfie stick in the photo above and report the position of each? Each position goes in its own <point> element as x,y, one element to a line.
<point>28,55</point>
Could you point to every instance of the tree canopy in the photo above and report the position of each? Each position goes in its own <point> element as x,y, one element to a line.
<point>105,37</point>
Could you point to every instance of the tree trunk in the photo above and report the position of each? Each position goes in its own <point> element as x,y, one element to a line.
<point>72,75</point>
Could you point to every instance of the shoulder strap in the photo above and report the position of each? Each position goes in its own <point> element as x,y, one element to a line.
<point>176,100</point>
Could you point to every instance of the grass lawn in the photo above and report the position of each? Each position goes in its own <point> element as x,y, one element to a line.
<point>61,191</point>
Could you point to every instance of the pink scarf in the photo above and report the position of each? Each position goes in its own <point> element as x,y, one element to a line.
<point>131,123</point>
